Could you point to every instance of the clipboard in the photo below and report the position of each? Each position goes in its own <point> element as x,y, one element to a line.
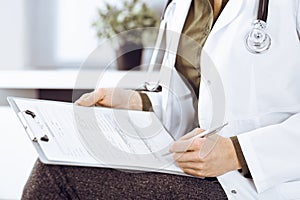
<point>31,113</point>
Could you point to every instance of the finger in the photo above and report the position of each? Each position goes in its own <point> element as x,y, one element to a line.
<point>191,165</point>
<point>209,145</point>
<point>191,134</point>
<point>193,172</point>
<point>190,156</point>
<point>90,99</point>
<point>84,100</point>
<point>181,146</point>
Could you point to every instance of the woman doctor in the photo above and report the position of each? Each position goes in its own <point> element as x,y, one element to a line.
<point>255,156</point>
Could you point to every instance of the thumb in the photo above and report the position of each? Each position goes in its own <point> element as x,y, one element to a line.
<point>180,146</point>
<point>89,99</point>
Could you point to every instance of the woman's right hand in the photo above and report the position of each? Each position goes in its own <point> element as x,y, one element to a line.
<point>112,97</point>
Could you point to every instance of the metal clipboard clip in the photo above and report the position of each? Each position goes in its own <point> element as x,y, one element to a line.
<point>32,126</point>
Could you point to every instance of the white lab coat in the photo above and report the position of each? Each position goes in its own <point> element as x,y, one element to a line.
<point>176,105</point>
<point>262,97</point>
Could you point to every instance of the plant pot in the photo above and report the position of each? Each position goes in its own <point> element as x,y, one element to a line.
<point>129,56</point>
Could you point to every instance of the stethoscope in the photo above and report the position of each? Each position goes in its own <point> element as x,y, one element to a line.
<point>151,86</point>
<point>257,41</point>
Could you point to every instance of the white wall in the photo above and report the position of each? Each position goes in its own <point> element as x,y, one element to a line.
<point>27,31</point>
<point>61,31</point>
<point>12,34</point>
<point>15,148</point>
<point>13,50</point>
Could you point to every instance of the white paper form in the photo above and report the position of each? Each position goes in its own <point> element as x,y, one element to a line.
<point>123,137</point>
<point>99,135</point>
<point>56,121</point>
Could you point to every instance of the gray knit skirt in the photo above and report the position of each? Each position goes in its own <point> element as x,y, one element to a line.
<point>68,182</point>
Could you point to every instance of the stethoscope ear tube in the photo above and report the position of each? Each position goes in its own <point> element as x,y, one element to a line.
<point>150,86</point>
<point>258,41</point>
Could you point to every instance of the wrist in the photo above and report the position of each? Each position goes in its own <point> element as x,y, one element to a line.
<point>233,156</point>
<point>135,101</point>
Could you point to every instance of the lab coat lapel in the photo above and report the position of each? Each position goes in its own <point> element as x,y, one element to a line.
<point>180,15</point>
<point>168,76</point>
<point>174,27</point>
<point>229,13</point>
<point>173,34</point>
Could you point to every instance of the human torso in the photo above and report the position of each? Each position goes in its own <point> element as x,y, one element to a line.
<point>198,25</point>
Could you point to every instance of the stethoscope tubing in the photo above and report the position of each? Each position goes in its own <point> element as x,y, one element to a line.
<point>262,13</point>
<point>258,40</point>
<point>256,48</point>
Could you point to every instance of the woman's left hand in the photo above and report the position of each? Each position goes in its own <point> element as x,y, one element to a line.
<point>205,157</point>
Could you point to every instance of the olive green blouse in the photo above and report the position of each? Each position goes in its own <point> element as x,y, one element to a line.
<point>194,34</point>
<point>196,29</point>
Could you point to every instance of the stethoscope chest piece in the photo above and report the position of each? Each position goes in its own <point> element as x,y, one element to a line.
<point>258,41</point>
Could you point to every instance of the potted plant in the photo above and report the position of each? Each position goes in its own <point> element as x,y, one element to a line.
<point>128,20</point>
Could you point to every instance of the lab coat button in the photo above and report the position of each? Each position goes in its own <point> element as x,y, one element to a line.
<point>233,191</point>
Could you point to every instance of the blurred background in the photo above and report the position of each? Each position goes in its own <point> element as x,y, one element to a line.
<point>42,45</point>
<point>39,34</point>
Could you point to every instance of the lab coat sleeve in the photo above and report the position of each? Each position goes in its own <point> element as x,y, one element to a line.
<point>176,107</point>
<point>272,153</point>
<point>156,102</point>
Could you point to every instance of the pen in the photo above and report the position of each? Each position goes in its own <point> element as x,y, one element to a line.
<point>203,134</point>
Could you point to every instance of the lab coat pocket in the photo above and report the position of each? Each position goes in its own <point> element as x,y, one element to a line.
<point>290,190</point>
